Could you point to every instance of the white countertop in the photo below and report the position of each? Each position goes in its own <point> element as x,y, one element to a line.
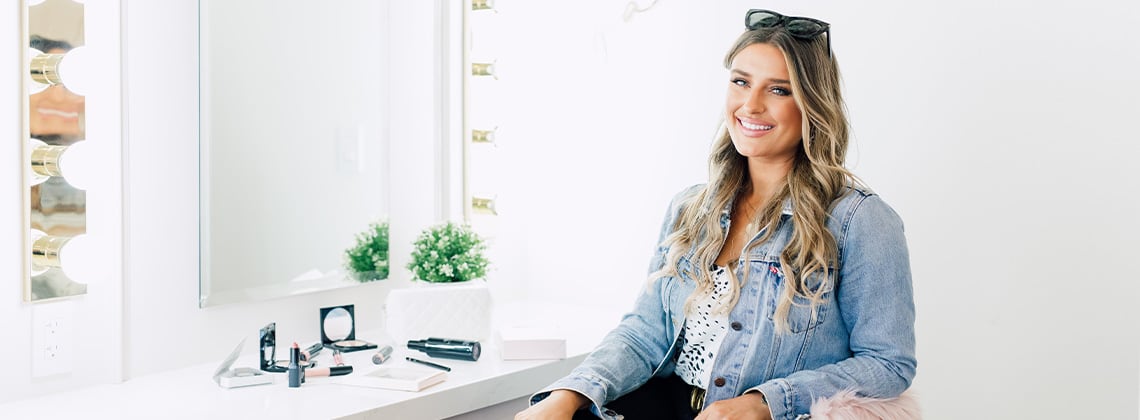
<point>192,393</point>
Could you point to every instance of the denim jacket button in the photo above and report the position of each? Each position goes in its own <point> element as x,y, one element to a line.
<point>718,382</point>
<point>736,326</point>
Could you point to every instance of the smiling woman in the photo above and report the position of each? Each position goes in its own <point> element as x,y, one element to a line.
<point>781,253</point>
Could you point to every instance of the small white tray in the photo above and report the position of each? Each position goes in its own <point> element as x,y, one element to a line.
<point>398,378</point>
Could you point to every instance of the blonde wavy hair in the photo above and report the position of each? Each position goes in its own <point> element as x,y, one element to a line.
<point>816,180</point>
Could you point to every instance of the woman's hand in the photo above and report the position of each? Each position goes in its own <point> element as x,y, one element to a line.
<point>560,404</point>
<point>748,406</point>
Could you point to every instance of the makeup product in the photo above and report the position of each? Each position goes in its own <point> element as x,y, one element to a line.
<point>267,338</point>
<point>305,364</point>
<point>448,348</point>
<point>427,363</point>
<point>268,352</point>
<point>338,329</point>
<point>382,355</point>
<point>308,353</point>
<point>329,371</point>
<point>238,377</point>
<point>337,357</point>
<point>295,372</point>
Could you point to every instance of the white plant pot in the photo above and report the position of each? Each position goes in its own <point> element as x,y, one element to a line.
<point>444,310</point>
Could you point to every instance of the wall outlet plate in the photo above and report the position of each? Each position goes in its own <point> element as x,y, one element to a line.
<point>53,338</point>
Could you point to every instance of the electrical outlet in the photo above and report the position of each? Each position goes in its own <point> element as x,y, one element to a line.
<point>52,339</point>
<point>349,145</point>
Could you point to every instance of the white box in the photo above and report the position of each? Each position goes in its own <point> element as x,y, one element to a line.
<point>451,310</point>
<point>398,378</point>
<point>528,343</point>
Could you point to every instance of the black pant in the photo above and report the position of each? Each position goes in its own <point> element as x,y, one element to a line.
<point>658,399</point>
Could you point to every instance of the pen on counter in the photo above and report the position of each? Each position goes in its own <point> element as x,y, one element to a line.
<point>427,363</point>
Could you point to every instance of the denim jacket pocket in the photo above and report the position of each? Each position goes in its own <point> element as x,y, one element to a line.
<point>800,317</point>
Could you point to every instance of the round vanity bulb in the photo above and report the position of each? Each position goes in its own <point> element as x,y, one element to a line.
<point>34,177</point>
<point>34,87</point>
<point>79,165</point>
<point>36,269</point>
<point>76,72</point>
<point>80,258</point>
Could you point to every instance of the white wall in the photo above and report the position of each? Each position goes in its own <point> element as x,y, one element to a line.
<point>999,131</point>
<point>1002,132</point>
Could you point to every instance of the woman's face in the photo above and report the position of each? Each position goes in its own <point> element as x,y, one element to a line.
<point>55,110</point>
<point>762,118</point>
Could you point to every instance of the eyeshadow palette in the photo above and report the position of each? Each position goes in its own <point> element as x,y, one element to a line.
<point>338,329</point>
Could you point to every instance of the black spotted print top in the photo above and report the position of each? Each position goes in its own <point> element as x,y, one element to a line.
<point>702,335</point>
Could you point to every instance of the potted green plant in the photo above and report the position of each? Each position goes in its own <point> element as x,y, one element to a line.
<point>448,253</point>
<point>367,260</point>
<point>450,298</point>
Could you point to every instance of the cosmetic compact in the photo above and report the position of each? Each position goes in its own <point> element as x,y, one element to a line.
<point>338,329</point>
<point>238,377</point>
<point>268,351</point>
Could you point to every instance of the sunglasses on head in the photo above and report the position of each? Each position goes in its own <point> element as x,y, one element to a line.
<point>799,27</point>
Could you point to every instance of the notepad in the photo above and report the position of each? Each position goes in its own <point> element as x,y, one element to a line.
<point>398,378</point>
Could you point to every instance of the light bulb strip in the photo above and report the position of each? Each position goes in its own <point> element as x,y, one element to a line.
<point>45,160</point>
<point>44,69</point>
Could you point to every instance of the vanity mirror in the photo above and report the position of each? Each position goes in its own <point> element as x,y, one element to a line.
<point>293,110</point>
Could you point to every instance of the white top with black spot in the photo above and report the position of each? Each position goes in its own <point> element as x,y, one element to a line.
<point>703,334</point>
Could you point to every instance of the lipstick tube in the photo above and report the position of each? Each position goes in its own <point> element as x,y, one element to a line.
<point>296,375</point>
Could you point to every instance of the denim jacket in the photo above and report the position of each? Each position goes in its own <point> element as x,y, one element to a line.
<point>862,337</point>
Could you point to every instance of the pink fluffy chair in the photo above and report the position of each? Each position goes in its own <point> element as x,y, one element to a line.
<point>846,405</point>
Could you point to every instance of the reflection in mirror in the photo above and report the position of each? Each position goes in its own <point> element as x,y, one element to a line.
<point>337,324</point>
<point>56,132</point>
<point>293,145</point>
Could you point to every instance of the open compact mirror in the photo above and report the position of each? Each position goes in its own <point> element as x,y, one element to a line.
<point>267,339</point>
<point>338,329</point>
